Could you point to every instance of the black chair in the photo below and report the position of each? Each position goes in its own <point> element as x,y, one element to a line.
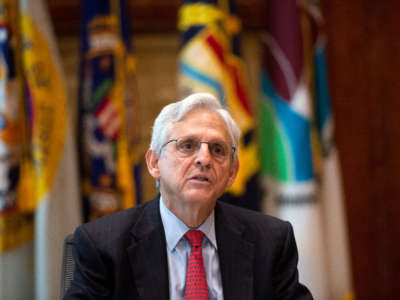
<point>67,269</point>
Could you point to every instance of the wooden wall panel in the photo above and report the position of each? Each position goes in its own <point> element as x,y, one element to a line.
<point>147,15</point>
<point>364,63</point>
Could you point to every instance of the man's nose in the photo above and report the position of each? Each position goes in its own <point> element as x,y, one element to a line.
<point>203,155</point>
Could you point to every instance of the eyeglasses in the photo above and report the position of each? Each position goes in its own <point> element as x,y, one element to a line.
<point>188,146</point>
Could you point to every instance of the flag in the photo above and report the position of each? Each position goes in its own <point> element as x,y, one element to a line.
<point>331,190</point>
<point>298,155</point>
<point>210,61</point>
<point>39,160</point>
<point>108,141</point>
<point>51,159</point>
<point>16,223</point>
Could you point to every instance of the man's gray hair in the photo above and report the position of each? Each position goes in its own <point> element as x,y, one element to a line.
<point>174,112</point>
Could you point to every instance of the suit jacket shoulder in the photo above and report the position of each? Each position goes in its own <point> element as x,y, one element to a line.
<point>112,252</point>
<point>254,226</point>
<point>112,229</point>
<point>261,247</point>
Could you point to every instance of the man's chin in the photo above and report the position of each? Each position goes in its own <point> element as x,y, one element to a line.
<point>201,197</point>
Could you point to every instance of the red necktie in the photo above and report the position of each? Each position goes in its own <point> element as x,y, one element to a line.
<point>196,282</point>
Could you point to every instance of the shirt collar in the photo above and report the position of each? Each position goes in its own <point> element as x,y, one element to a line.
<point>174,228</point>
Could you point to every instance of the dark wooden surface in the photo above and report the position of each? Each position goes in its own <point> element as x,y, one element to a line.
<point>363,58</point>
<point>148,15</point>
<point>364,64</point>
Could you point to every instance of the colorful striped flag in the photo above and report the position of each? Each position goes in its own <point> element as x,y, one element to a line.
<point>46,179</point>
<point>210,62</point>
<point>108,118</point>
<point>297,148</point>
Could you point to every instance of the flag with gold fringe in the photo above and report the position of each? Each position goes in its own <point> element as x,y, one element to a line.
<point>16,222</point>
<point>210,61</point>
<point>40,164</point>
<point>109,124</point>
<point>298,156</point>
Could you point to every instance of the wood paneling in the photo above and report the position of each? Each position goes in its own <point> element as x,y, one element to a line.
<point>364,63</point>
<point>147,15</point>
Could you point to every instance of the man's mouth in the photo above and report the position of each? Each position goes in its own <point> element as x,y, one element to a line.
<point>201,178</point>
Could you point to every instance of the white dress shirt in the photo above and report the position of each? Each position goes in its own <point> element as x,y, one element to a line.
<point>178,252</point>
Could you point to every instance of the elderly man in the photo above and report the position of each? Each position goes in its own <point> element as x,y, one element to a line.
<point>184,244</point>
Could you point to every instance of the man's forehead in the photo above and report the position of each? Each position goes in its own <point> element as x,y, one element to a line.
<point>198,119</point>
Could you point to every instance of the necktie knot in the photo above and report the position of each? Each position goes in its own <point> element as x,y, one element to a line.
<point>194,237</point>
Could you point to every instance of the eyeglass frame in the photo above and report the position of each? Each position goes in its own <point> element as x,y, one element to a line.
<point>198,146</point>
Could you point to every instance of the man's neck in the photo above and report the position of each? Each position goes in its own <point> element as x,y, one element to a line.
<point>193,215</point>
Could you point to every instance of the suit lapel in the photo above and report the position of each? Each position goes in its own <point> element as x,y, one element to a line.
<point>236,256</point>
<point>147,255</point>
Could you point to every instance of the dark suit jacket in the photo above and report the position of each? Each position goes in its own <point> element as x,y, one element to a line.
<point>123,256</point>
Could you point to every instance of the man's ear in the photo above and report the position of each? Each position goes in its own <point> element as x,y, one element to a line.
<point>152,163</point>
<point>232,173</point>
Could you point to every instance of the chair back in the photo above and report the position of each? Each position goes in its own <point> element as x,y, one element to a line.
<point>68,265</point>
